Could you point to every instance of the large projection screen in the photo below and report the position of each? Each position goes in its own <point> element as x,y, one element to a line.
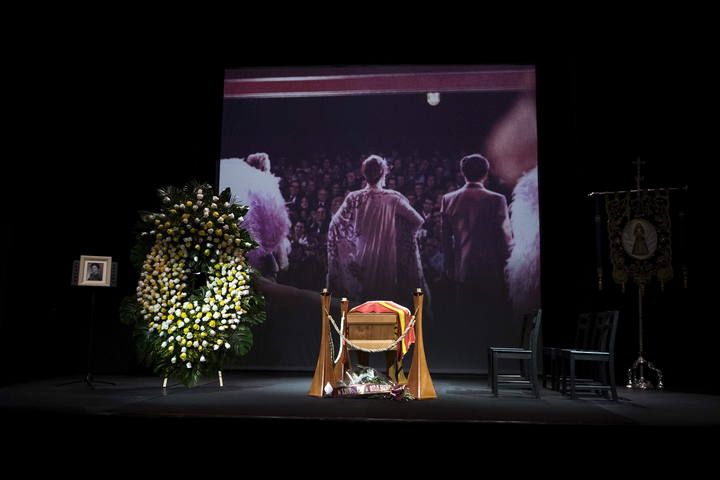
<point>472,244</point>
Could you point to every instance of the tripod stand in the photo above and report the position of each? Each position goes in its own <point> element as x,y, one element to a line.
<point>638,380</point>
<point>89,380</point>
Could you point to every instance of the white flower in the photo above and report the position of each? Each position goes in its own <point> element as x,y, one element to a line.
<point>188,365</point>
<point>163,344</point>
<point>200,196</point>
<point>183,350</point>
<point>215,347</point>
<point>231,215</point>
<point>202,358</point>
<point>173,360</point>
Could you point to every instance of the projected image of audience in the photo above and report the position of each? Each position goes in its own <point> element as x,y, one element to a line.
<point>375,191</point>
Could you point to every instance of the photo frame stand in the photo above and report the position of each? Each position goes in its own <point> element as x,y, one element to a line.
<point>89,379</point>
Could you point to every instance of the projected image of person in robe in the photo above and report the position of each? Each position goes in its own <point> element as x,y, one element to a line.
<point>372,244</point>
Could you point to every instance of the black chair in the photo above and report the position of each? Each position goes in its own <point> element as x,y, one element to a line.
<point>528,353</point>
<point>603,354</point>
<point>553,355</point>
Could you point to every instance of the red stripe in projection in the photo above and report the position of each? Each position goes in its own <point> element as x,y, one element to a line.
<point>514,80</point>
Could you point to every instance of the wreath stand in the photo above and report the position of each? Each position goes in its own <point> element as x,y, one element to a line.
<point>89,379</point>
<point>220,381</point>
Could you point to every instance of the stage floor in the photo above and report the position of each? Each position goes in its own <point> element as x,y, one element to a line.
<point>282,397</point>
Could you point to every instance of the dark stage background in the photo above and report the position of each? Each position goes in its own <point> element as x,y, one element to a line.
<point>101,132</point>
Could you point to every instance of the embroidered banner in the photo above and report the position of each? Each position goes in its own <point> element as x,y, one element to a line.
<point>639,231</point>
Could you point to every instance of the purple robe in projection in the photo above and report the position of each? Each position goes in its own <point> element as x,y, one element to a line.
<point>267,219</point>
<point>372,247</point>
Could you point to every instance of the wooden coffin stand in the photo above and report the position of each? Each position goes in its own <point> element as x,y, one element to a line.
<point>372,331</point>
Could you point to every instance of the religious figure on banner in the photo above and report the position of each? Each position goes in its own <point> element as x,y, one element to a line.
<point>639,239</point>
<point>640,236</point>
<point>640,248</point>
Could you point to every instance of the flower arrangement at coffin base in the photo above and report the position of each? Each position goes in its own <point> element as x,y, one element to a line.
<point>195,301</point>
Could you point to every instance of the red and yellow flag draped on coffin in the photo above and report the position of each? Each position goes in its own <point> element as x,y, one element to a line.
<point>403,319</point>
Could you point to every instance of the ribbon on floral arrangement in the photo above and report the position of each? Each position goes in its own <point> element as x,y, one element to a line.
<point>403,316</point>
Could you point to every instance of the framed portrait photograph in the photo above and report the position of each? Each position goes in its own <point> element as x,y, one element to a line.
<point>95,271</point>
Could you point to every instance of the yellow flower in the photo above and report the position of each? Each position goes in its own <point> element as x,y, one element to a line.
<point>212,323</point>
<point>171,348</point>
<point>183,355</point>
<point>186,330</point>
<point>188,203</point>
<point>196,327</point>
